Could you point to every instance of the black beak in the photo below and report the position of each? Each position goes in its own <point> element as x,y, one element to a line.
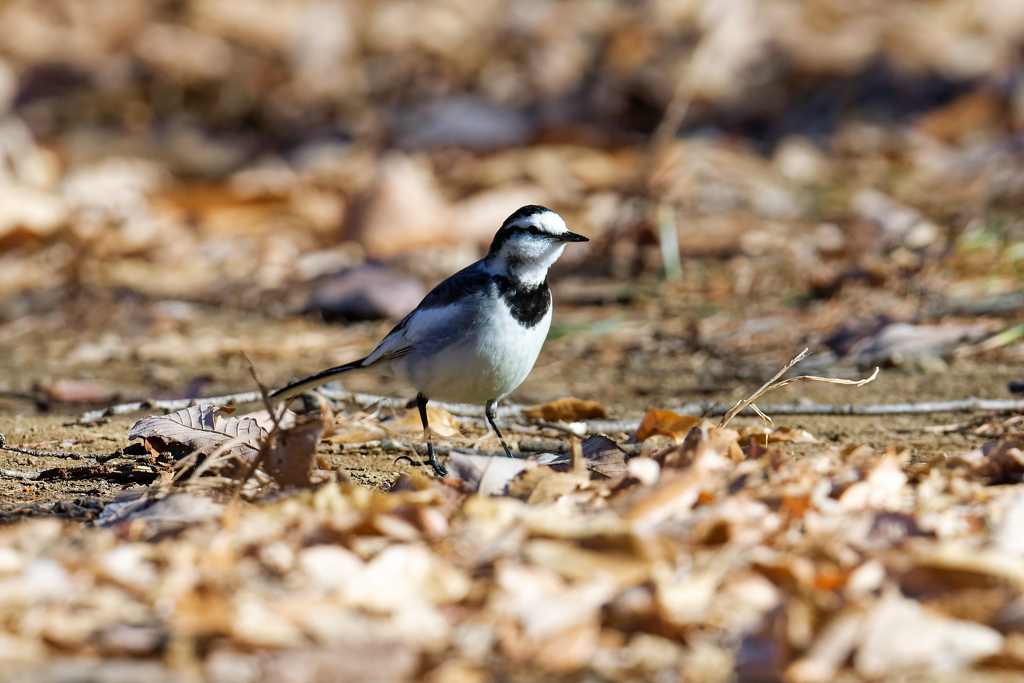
<point>571,237</point>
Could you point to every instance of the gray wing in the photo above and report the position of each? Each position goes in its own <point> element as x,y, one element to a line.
<point>447,310</point>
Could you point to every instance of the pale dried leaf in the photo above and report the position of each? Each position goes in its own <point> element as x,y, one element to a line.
<point>486,475</point>
<point>201,428</point>
<point>899,634</point>
<point>556,484</point>
<point>580,564</point>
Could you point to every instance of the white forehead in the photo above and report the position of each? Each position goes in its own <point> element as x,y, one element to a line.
<point>548,221</point>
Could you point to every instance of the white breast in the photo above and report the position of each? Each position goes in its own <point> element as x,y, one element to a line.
<point>485,358</point>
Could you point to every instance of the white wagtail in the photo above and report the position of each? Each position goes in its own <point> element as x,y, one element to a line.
<point>475,337</point>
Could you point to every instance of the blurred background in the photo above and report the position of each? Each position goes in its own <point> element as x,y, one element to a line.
<point>181,180</point>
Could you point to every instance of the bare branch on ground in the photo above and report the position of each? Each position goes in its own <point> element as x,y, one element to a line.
<point>698,408</point>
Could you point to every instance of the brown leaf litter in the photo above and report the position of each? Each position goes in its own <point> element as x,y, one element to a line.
<point>712,557</point>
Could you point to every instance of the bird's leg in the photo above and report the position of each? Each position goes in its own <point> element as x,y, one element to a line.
<point>491,416</point>
<point>439,469</point>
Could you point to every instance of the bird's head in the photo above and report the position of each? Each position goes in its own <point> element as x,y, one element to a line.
<point>528,243</point>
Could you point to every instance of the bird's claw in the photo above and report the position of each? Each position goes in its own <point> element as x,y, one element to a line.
<point>439,469</point>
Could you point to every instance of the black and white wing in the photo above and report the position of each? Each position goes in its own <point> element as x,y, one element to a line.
<point>447,310</point>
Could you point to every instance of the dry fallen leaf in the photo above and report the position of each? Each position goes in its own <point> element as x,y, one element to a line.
<point>486,475</point>
<point>1001,459</point>
<point>580,564</point>
<point>442,423</point>
<point>202,429</point>
<point>599,453</point>
<point>603,455</point>
<point>882,488</point>
<point>675,492</point>
<point>555,623</point>
<point>666,423</point>
<point>776,435</point>
<point>288,456</point>
<point>566,410</point>
<point>898,635</point>
<point>526,481</point>
<point>719,440</point>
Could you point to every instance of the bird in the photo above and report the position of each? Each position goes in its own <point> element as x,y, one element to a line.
<point>476,336</point>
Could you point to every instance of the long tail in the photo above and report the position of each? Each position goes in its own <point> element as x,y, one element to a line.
<point>316,380</point>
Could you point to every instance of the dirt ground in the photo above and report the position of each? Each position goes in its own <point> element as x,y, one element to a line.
<point>628,357</point>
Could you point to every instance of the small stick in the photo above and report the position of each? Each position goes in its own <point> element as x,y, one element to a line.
<point>169,405</point>
<point>362,400</point>
<point>46,443</point>
<point>576,455</point>
<point>15,474</point>
<point>44,454</point>
<point>699,408</point>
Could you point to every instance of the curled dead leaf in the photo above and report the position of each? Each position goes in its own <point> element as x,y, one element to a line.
<point>1002,459</point>
<point>791,435</point>
<point>289,456</point>
<point>567,409</point>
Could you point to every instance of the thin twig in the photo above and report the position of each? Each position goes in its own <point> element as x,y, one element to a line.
<point>1001,304</point>
<point>775,383</point>
<point>44,454</point>
<point>169,405</point>
<point>52,442</point>
<point>15,474</point>
<point>698,408</point>
<point>355,398</point>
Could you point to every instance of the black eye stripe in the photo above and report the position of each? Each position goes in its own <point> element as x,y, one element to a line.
<point>528,229</point>
<point>508,232</point>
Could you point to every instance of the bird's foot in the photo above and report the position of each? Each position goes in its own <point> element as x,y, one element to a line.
<point>439,469</point>
<point>507,451</point>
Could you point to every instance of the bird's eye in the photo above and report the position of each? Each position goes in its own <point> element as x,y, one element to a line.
<point>533,230</point>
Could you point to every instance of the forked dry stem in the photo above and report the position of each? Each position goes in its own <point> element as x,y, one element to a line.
<point>774,383</point>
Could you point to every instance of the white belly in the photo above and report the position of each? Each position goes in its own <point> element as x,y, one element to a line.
<point>486,363</point>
